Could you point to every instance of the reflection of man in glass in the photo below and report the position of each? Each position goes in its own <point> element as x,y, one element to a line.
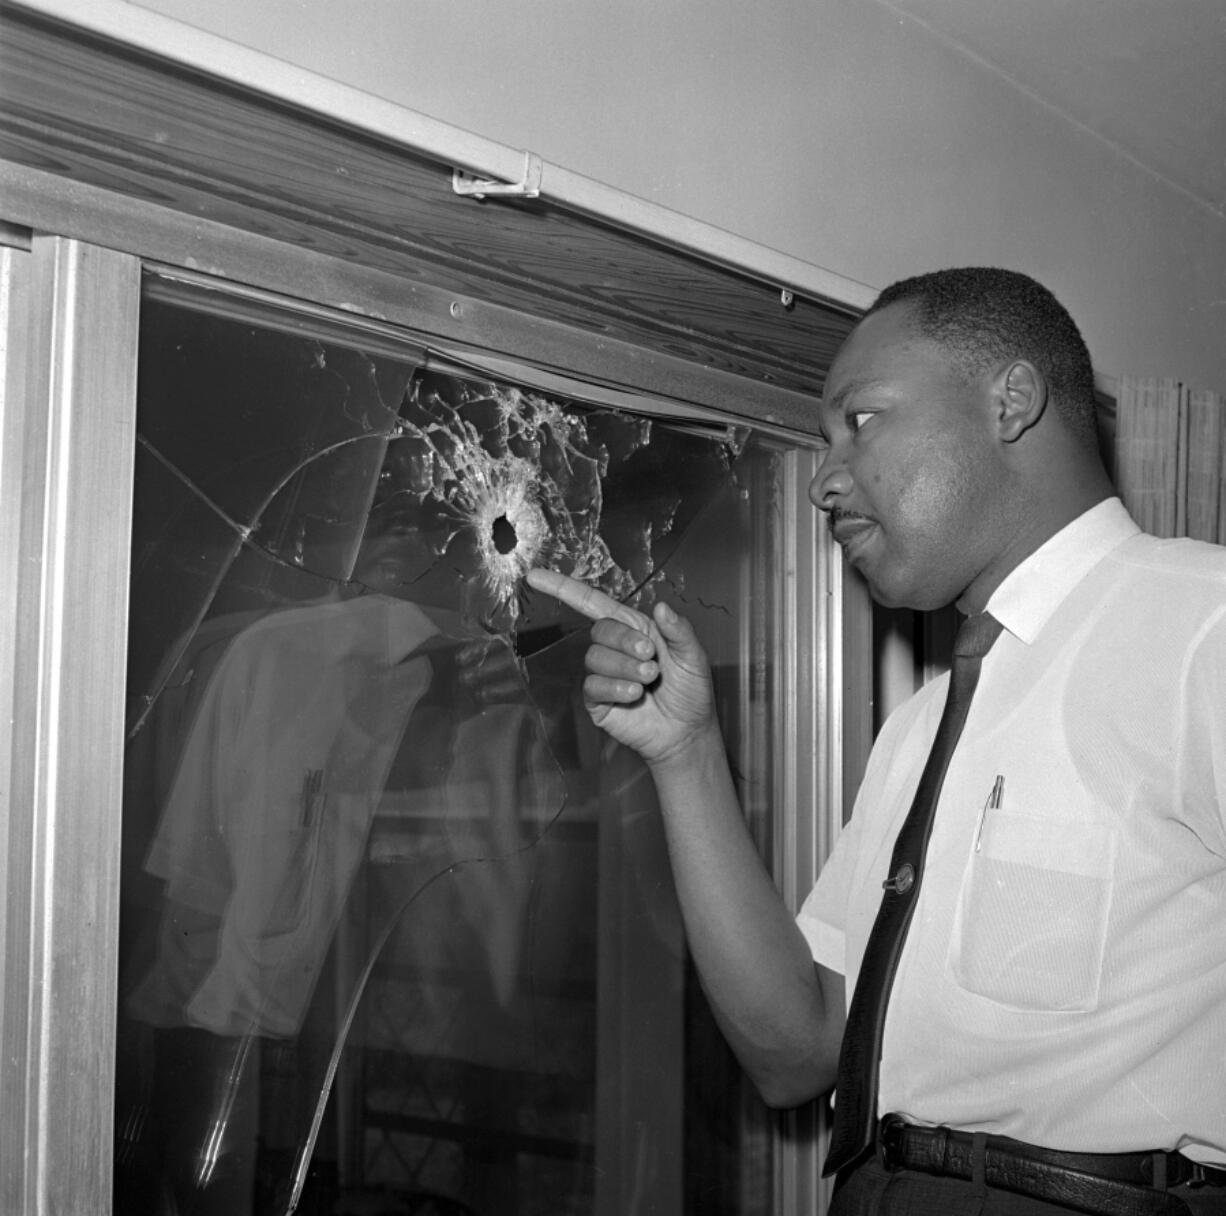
<point>280,774</point>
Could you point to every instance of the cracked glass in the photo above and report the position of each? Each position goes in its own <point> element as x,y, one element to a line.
<point>398,933</point>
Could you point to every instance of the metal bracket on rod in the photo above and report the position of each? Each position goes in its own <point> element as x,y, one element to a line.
<point>529,186</point>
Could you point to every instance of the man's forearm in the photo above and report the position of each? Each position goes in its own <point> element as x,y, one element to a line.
<point>781,1015</point>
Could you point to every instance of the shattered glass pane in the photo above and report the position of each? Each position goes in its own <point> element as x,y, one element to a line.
<point>398,931</point>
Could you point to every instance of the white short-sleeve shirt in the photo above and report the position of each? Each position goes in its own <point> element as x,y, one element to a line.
<point>1064,978</point>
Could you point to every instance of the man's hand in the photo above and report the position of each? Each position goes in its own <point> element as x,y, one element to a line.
<point>648,682</point>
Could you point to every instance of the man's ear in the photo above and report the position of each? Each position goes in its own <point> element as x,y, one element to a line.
<point>1020,393</point>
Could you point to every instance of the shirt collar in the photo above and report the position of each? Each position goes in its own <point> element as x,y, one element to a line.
<point>1033,590</point>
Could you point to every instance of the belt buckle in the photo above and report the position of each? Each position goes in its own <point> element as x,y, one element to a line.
<point>889,1141</point>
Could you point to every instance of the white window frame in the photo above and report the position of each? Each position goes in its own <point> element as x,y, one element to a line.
<point>69,444</point>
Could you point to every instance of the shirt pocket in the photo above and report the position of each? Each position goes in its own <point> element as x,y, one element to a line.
<point>1031,919</point>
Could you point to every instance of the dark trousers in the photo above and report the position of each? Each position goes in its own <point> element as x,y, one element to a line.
<point>871,1190</point>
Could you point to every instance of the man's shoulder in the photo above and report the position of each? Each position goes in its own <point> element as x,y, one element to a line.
<point>1165,596</point>
<point>1180,555</point>
<point>1171,565</point>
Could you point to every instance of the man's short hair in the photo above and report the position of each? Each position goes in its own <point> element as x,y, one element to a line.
<point>985,315</point>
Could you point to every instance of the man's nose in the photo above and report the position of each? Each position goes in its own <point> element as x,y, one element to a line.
<point>831,483</point>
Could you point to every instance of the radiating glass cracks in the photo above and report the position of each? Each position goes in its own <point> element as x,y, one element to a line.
<point>509,480</point>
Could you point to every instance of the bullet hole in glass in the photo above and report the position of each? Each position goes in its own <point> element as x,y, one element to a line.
<point>503,535</point>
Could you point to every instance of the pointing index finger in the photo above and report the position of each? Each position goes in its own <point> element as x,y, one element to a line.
<point>588,601</point>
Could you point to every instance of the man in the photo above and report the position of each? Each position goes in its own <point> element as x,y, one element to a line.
<point>1062,984</point>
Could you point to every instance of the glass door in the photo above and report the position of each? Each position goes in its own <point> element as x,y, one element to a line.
<point>397,930</point>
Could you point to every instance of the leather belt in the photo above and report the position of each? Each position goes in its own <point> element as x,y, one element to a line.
<point>1110,1184</point>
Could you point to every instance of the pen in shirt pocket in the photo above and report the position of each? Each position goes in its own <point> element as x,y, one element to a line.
<point>993,803</point>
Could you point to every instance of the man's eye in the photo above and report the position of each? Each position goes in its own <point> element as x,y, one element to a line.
<point>859,418</point>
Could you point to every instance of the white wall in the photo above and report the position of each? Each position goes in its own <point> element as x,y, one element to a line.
<point>828,129</point>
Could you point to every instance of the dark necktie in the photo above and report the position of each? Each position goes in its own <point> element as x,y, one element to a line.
<point>855,1110</point>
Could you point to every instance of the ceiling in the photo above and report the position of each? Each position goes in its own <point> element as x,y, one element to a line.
<point>1148,76</point>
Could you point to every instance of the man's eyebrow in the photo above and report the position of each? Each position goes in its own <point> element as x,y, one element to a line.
<point>835,401</point>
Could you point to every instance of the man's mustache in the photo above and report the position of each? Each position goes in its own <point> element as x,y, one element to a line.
<point>838,515</point>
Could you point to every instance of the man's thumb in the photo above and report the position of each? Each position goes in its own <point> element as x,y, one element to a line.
<point>676,630</point>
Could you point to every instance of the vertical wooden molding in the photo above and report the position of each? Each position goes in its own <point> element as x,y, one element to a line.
<point>14,315</point>
<point>76,445</point>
